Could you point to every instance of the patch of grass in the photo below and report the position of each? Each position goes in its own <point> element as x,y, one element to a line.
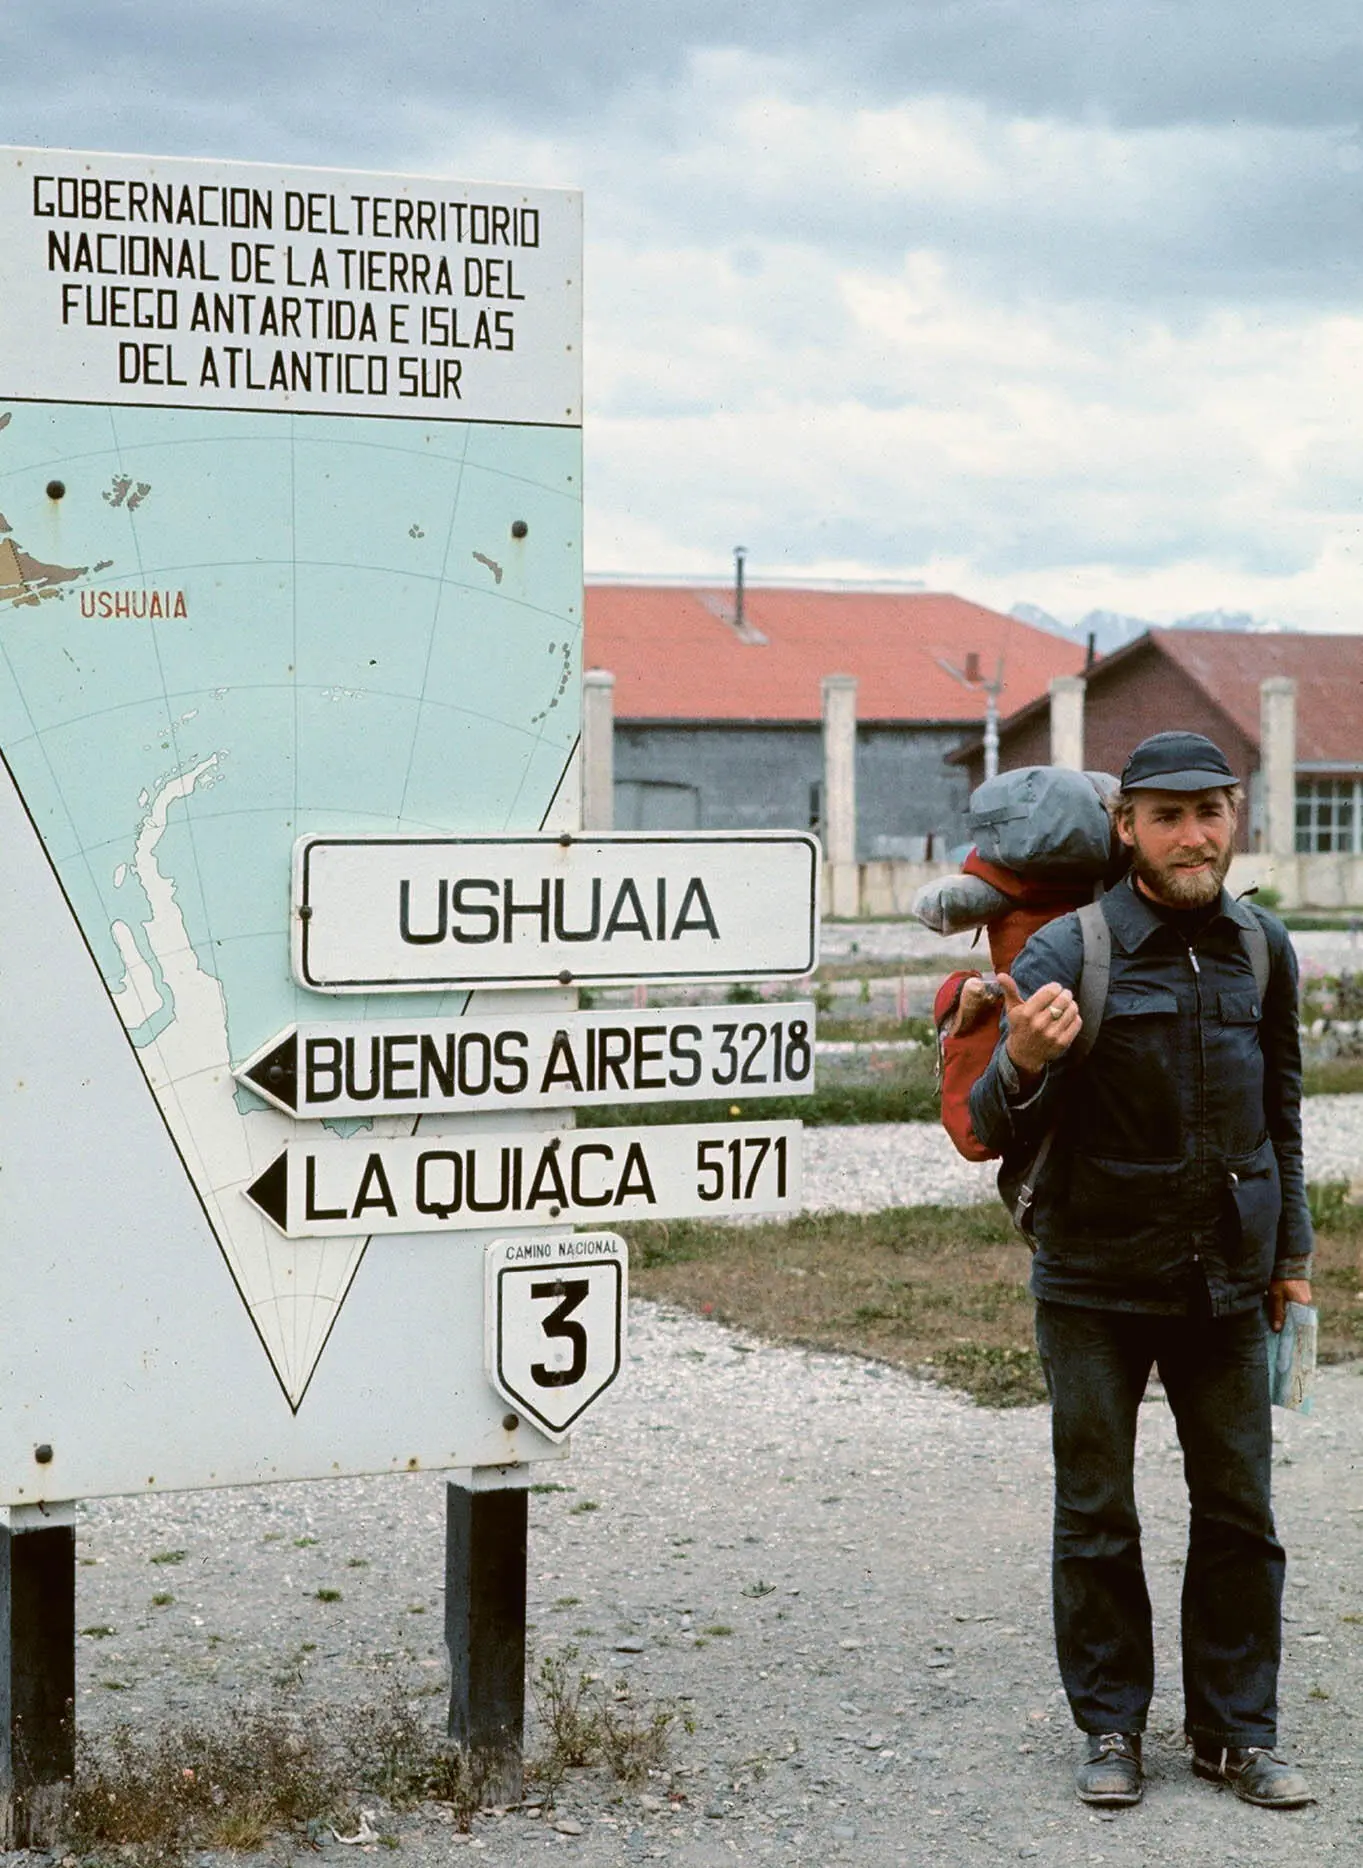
<point>993,1376</point>
<point>99,1631</point>
<point>718,1630</point>
<point>328,1595</point>
<point>938,1290</point>
<point>583,1505</point>
<point>1333,1076</point>
<point>162,1599</point>
<point>169,1556</point>
<point>905,1091</point>
<point>1337,1277</point>
<point>906,1285</point>
<point>875,1028</point>
<point>357,1563</point>
<point>305,1543</point>
<point>857,968</point>
<point>550,1485</point>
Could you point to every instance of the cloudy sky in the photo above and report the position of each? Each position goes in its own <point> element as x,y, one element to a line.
<point>1057,301</point>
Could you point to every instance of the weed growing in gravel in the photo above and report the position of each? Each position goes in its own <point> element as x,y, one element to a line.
<point>152,1796</point>
<point>328,1595</point>
<point>169,1556</point>
<point>162,1599</point>
<point>99,1631</point>
<point>583,1722</point>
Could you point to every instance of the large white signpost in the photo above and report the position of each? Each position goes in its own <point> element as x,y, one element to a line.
<point>290,582</point>
<point>290,536</point>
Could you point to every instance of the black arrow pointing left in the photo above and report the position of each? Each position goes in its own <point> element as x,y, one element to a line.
<point>276,1074</point>
<point>270,1192</point>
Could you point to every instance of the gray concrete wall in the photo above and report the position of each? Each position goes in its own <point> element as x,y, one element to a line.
<point>906,790</point>
<point>770,778</point>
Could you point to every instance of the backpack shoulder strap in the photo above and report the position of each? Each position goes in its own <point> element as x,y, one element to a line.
<point>1097,971</point>
<point>1091,997</point>
<point>1256,946</point>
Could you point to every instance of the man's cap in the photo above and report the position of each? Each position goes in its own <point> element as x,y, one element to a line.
<point>1176,762</point>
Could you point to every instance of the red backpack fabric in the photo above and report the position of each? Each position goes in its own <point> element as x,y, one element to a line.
<point>966,1040</point>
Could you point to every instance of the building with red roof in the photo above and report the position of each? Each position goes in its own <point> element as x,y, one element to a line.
<point>718,715</point>
<point>1207,680</point>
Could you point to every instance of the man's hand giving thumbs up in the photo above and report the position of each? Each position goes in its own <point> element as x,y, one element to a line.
<point>1041,1028</point>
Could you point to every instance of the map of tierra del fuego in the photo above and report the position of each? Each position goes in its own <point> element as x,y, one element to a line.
<point>220,630</point>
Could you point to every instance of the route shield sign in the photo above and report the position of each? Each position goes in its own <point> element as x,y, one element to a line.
<point>290,544</point>
<point>408,914</point>
<point>555,1310</point>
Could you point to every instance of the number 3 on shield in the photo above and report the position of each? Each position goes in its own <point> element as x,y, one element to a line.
<point>572,1291</point>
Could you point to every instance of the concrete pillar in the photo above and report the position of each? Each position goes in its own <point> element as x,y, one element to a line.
<point>1067,721</point>
<point>840,793</point>
<point>598,749</point>
<point>1278,764</point>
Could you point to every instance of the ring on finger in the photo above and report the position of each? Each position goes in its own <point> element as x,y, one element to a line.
<point>1057,1011</point>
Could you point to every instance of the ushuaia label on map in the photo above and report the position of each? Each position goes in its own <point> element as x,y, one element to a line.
<point>187,284</point>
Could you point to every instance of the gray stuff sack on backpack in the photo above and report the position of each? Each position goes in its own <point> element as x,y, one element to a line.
<point>954,903</point>
<point>1044,819</point>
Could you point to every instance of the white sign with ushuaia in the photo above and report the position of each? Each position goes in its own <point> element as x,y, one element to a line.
<point>166,283</point>
<point>417,913</point>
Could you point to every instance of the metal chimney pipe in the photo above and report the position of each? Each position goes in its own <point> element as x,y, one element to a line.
<point>740,553</point>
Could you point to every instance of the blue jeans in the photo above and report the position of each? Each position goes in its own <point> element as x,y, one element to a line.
<point>1215,1375</point>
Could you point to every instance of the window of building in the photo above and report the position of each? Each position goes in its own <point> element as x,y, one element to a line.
<point>1330,816</point>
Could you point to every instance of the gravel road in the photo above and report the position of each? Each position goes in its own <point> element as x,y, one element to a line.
<point>857,1170</point>
<point>872,1549</point>
<point>839,1574</point>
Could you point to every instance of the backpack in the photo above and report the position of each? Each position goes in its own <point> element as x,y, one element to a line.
<point>1044,845</point>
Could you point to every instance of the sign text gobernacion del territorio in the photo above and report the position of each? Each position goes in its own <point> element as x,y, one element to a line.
<point>153,283</point>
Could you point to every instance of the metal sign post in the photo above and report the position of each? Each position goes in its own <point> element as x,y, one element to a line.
<point>290,583</point>
<point>38,1656</point>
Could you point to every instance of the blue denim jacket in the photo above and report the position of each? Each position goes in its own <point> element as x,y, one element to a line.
<point>1177,1158</point>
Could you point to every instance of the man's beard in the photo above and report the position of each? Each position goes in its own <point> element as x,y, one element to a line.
<point>1181,888</point>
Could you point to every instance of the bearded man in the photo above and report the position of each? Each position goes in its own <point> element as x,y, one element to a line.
<point>1169,1214</point>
